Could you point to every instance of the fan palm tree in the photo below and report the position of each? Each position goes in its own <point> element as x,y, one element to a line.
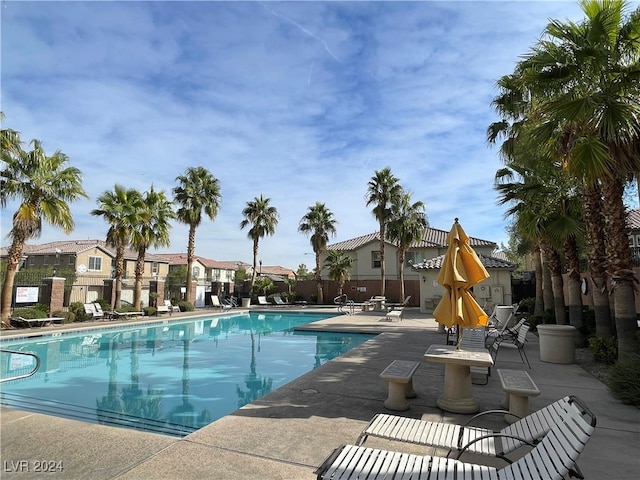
<point>319,222</point>
<point>585,79</point>
<point>152,231</point>
<point>406,227</point>
<point>339,265</point>
<point>44,185</point>
<point>382,191</point>
<point>263,218</point>
<point>198,191</point>
<point>123,210</point>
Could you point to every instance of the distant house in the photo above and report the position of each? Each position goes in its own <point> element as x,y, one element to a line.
<point>210,276</point>
<point>92,263</point>
<point>422,264</point>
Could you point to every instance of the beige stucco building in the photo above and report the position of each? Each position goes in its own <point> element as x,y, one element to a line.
<point>422,264</point>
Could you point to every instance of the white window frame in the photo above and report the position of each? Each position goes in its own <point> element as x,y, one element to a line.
<point>94,260</point>
<point>376,257</point>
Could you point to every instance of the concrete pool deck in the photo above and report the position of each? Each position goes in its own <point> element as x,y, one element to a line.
<point>289,432</point>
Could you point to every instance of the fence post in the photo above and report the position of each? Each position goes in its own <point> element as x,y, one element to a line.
<point>52,293</point>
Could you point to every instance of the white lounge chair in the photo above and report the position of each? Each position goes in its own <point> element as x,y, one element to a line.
<point>278,301</point>
<point>215,302</point>
<point>554,457</point>
<point>262,300</point>
<point>90,309</point>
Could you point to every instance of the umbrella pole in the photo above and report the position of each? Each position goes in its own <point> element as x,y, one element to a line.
<point>460,333</point>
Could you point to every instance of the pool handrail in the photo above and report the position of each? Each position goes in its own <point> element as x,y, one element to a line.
<point>25,375</point>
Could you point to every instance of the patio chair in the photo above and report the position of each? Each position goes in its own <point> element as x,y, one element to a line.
<point>278,301</point>
<point>171,307</point>
<point>262,300</point>
<point>454,437</point>
<point>391,306</point>
<point>552,458</point>
<point>99,309</point>
<point>90,309</point>
<point>512,342</point>
<point>474,339</point>
<point>215,302</point>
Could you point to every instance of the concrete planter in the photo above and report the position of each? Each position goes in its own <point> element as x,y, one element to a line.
<point>557,343</point>
<point>245,302</point>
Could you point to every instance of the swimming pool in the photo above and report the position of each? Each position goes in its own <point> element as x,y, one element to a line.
<point>167,377</point>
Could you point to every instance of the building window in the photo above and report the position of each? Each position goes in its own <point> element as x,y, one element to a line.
<point>45,260</point>
<point>154,269</point>
<point>95,264</point>
<point>375,260</point>
<point>72,260</point>
<point>412,258</point>
<point>195,272</point>
<point>632,242</point>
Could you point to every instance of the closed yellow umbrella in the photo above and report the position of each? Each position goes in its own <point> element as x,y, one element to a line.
<point>461,270</point>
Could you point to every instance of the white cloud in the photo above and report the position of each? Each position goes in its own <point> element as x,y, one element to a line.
<point>299,101</point>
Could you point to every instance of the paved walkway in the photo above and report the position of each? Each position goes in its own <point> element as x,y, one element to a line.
<point>288,433</point>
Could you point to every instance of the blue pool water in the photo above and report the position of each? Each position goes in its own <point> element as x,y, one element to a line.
<point>171,378</point>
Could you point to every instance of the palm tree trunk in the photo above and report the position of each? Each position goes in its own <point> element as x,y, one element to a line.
<point>119,274</point>
<point>621,267</point>
<point>555,271</point>
<point>382,269</point>
<point>255,262</point>
<point>319,280</point>
<point>191,247</point>
<point>139,271</point>
<point>596,255</point>
<point>573,289</point>
<point>401,254</point>
<point>547,289</point>
<point>13,260</point>
<point>537,265</point>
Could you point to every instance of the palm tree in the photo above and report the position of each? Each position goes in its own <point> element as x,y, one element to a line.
<point>406,227</point>
<point>382,191</point>
<point>585,79</point>
<point>198,191</point>
<point>319,222</point>
<point>339,265</point>
<point>263,219</point>
<point>123,210</point>
<point>152,231</point>
<point>44,186</point>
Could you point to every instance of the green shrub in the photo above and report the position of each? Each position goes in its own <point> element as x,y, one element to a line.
<point>42,308</point>
<point>29,313</point>
<point>624,381</point>
<point>604,349</point>
<point>149,311</point>
<point>69,317</point>
<point>80,315</point>
<point>185,306</point>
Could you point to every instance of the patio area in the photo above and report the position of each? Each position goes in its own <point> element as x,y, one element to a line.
<point>288,433</point>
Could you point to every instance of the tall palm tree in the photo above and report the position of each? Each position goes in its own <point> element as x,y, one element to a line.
<point>320,223</point>
<point>382,191</point>
<point>585,78</point>
<point>198,191</point>
<point>406,227</point>
<point>123,210</point>
<point>263,218</point>
<point>339,265</point>
<point>44,185</point>
<point>152,231</point>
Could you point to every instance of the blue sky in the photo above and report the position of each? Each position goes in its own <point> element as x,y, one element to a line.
<point>298,101</point>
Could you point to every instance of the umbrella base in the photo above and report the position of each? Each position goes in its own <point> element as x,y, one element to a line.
<point>457,405</point>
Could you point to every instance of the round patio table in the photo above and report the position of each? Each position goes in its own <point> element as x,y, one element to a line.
<point>457,395</point>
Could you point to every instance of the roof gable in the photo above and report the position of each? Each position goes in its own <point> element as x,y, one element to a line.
<point>432,238</point>
<point>487,261</point>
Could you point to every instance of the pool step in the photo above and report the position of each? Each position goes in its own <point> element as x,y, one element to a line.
<point>102,416</point>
